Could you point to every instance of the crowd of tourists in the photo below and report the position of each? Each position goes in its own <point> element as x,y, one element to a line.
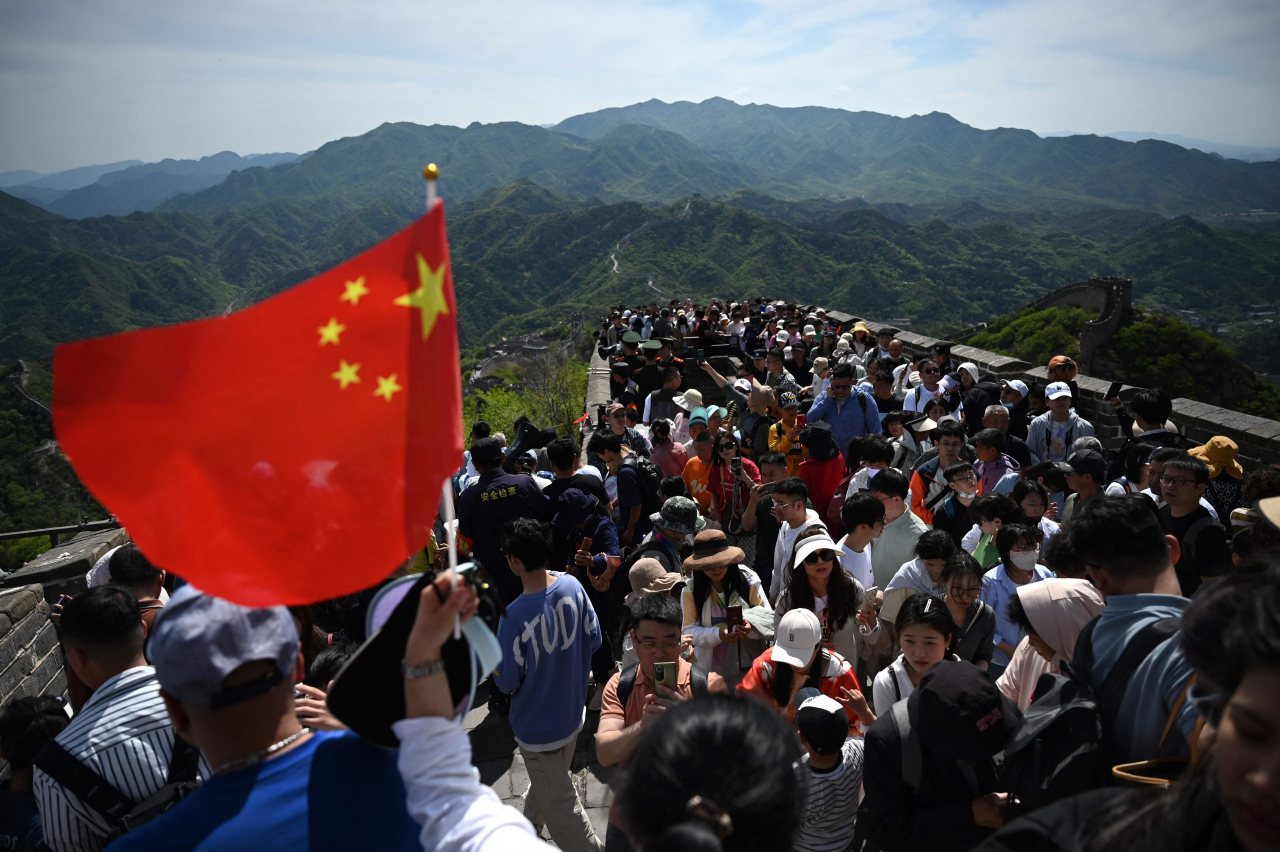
<point>848,597</point>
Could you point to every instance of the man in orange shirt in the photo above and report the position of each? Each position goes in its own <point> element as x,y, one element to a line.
<point>631,701</point>
<point>697,470</point>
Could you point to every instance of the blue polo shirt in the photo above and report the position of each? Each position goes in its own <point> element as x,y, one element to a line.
<point>334,792</point>
<point>1157,683</point>
<point>997,589</point>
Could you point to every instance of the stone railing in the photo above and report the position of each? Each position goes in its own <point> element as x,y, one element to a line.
<point>1257,437</point>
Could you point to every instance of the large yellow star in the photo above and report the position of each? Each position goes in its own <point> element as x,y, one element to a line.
<point>348,374</point>
<point>355,289</point>
<point>329,333</point>
<point>387,386</point>
<point>429,297</point>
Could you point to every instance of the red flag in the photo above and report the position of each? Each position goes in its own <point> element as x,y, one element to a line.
<point>289,452</point>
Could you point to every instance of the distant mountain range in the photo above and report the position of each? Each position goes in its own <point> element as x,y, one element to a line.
<point>121,188</point>
<point>1247,153</point>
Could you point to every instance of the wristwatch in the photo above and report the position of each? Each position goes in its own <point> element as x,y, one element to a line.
<point>419,672</point>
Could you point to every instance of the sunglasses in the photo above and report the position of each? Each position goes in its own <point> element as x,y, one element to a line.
<point>930,371</point>
<point>820,556</point>
<point>846,386</point>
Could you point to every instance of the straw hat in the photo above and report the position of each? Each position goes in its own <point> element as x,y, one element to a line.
<point>648,577</point>
<point>711,549</point>
<point>1220,455</point>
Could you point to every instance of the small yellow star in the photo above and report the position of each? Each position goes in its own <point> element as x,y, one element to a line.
<point>329,333</point>
<point>348,374</point>
<point>355,289</point>
<point>429,297</point>
<point>387,386</point>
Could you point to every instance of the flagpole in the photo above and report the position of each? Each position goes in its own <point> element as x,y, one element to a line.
<point>431,173</point>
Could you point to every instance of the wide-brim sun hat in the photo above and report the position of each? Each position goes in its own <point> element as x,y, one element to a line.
<point>711,550</point>
<point>1220,455</point>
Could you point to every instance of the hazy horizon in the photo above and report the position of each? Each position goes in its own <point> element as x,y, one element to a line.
<point>147,80</point>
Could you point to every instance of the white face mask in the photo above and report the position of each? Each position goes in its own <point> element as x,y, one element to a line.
<point>1025,559</point>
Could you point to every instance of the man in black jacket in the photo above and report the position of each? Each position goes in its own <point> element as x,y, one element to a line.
<point>947,795</point>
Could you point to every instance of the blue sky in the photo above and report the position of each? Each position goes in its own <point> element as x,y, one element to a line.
<point>97,82</point>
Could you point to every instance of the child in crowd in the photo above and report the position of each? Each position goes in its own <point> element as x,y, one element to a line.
<point>834,761</point>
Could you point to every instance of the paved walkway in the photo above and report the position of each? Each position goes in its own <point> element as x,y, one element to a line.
<point>495,753</point>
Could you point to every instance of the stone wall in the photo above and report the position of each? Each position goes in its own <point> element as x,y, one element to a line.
<point>29,651</point>
<point>61,570</point>
<point>1257,437</point>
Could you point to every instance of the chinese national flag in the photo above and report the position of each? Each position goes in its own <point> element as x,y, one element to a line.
<point>287,453</point>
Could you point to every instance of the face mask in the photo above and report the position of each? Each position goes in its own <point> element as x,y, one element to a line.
<point>1009,405</point>
<point>1026,560</point>
<point>871,473</point>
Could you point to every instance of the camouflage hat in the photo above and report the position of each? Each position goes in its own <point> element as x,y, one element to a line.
<point>679,515</point>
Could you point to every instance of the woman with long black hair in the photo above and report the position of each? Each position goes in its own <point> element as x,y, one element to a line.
<point>721,581</point>
<point>820,585</point>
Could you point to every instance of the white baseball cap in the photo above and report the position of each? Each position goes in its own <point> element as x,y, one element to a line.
<point>797,637</point>
<point>1019,386</point>
<point>626,314</point>
<point>1057,390</point>
<point>808,329</point>
<point>743,385</point>
<point>784,336</point>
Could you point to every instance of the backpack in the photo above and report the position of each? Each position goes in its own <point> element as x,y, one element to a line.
<point>1193,533</point>
<point>627,682</point>
<point>118,810</point>
<point>650,476</point>
<point>1062,745</point>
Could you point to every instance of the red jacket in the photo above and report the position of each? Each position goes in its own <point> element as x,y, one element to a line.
<point>837,675</point>
<point>822,477</point>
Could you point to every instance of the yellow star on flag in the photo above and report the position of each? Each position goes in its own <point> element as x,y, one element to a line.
<point>348,374</point>
<point>355,289</point>
<point>329,333</point>
<point>429,297</point>
<point>387,386</point>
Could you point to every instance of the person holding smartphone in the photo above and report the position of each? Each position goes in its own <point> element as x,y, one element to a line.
<point>722,588</point>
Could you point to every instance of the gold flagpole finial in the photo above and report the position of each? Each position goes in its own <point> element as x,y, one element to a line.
<point>431,173</point>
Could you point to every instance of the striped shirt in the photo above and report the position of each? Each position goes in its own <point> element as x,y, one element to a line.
<point>832,804</point>
<point>124,734</point>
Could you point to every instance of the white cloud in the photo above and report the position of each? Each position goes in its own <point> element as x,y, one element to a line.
<point>147,79</point>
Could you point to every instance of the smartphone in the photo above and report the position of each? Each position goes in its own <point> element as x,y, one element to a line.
<point>800,420</point>
<point>702,358</point>
<point>735,615</point>
<point>600,416</point>
<point>62,599</point>
<point>736,464</point>
<point>1113,392</point>
<point>585,547</point>
<point>664,674</point>
<point>767,488</point>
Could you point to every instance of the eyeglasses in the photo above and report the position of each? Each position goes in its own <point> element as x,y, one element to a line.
<point>846,386</point>
<point>653,646</point>
<point>964,591</point>
<point>619,415</point>
<point>820,556</point>
<point>1176,481</point>
<point>778,505</point>
<point>972,477</point>
<point>930,371</point>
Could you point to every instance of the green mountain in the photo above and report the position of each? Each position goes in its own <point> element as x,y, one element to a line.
<point>657,153</point>
<point>525,256</point>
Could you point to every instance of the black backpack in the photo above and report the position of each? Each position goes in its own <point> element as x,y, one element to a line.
<point>1062,745</point>
<point>627,682</point>
<point>119,811</point>
<point>650,476</point>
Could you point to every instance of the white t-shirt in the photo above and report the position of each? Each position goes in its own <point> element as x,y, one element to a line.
<point>883,693</point>
<point>918,399</point>
<point>782,551</point>
<point>857,565</point>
